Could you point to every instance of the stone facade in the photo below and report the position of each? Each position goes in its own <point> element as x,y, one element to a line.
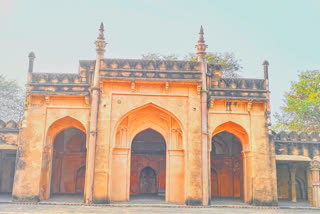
<point>177,129</point>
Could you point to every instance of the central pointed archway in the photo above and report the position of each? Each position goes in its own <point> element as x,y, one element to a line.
<point>143,122</point>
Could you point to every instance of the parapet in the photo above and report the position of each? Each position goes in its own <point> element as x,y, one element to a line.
<point>9,127</point>
<point>9,132</point>
<point>154,70</point>
<point>52,83</point>
<point>239,89</point>
<point>297,144</point>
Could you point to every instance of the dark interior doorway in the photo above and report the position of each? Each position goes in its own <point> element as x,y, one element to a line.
<point>148,181</point>
<point>226,166</point>
<point>69,159</point>
<point>148,164</point>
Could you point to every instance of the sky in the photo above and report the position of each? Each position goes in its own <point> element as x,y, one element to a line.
<point>62,32</point>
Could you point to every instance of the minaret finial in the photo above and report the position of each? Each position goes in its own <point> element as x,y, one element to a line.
<point>201,46</point>
<point>100,43</point>
<point>201,34</point>
<point>101,35</point>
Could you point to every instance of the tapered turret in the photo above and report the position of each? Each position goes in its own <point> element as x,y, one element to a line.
<point>201,46</point>
<point>100,42</point>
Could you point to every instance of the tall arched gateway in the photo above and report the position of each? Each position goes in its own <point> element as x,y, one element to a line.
<point>64,159</point>
<point>229,162</point>
<point>148,145</point>
<point>226,166</point>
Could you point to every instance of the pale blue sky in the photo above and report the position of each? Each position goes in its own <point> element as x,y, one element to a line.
<point>60,32</point>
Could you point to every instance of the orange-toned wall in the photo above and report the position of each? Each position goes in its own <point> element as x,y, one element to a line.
<point>120,98</point>
<point>139,162</point>
<point>33,169</point>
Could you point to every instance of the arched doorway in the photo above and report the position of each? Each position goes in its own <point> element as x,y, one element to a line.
<point>148,164</point>
<point>226,166</point>
<point>148,181</point>
<point>80,178</point>
<point>68,162</point>
<point>160,128</point>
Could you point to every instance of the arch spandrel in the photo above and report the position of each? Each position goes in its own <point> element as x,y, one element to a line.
<point>140,107</point>
<point>80,115</point>
<point>149,116</point>
<point>236,130</point>
<point>160,120</point>
<point>64,123</point>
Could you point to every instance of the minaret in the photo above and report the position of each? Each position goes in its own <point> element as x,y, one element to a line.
<point>265,65</point>
<point>31,56</point>
<point>95,97</point>
<point>201,52</point>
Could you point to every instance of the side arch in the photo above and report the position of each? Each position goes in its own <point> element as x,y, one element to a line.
<point>46,168</point>
<point>240,132</point>
<point>62,124</point>
<point>236,130</point>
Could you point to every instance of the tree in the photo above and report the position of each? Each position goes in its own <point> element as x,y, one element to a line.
<point>230,65</point>
<point>11,100</point>
<point>156,56</point>
<point>301,110</point>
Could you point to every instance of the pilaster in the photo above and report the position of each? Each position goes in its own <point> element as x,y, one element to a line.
<point>292,171</point>
<point>315,168</point>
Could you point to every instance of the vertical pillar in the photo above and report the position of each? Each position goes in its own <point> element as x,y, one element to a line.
<point>246,173</point>
<point>201,52</point>
<point>266,85</point>
<point>95,96</point>
<point>1,169</point>
<point>314,167</point>
<point>309,179</point>
<point>292,171</point>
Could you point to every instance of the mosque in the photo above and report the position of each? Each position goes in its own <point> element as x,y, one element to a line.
<point>177,130</point>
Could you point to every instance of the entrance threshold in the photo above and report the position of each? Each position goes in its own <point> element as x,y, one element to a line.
<point>64,198</point>
<point>145,199</point>
<point>229,202</point>
<point>301,204</point>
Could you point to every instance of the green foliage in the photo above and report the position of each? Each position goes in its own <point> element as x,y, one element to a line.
<point>11,100</point>
<point>230,65</point>
<point>301,111</point>
<point>156,56</point>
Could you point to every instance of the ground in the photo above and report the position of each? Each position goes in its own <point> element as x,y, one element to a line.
<point>19,208</point>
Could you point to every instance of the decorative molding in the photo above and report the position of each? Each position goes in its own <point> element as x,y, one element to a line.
<point>249,105</point>
<point>199,88</point>
<point>133,86</point>
<point>47,99</point>
<point>211,103</point>
<point>86,100</point>
<point>167,87</point>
